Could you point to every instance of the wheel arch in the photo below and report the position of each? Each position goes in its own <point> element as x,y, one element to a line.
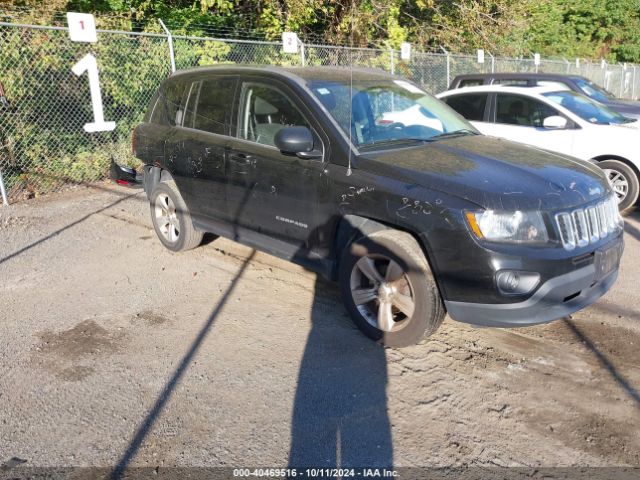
<point>153,175</point>
<point>352,227</point>
<point>626,161</point>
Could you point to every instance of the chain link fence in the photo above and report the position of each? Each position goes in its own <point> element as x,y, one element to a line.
<point>43,146</point>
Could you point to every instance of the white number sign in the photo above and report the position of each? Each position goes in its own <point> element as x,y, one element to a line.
<point>405,51</point>
<point>82,27</point>
<point>88,64</point>
<point>289,42</point>
<point>480,55</point>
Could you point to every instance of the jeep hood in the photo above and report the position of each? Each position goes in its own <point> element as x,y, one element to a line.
<point>492,173</point>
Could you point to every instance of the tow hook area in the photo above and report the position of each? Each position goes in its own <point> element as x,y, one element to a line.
<point>125,176</point>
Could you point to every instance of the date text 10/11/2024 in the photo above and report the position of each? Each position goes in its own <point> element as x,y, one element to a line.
<point>316,472</point>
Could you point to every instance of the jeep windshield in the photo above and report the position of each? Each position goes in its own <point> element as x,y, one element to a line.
<point>385,111</point>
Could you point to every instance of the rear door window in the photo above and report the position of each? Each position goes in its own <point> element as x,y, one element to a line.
<point>209,105</point>
<point>471,105</point>
<point>523,111</point>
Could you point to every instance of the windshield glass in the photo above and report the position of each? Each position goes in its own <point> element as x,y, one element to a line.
<point>586,108</point>
<point>594,91</point>
<point>379,111</point>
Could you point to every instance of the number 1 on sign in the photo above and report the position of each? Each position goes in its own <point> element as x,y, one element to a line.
<point>88,64</point>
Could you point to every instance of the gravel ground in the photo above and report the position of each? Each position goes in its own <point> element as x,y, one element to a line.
<point>115,351</point>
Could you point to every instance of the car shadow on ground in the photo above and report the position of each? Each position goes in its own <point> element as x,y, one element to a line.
<point>340,407</point>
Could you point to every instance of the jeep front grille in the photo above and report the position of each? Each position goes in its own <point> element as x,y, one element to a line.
<point>587,225</point>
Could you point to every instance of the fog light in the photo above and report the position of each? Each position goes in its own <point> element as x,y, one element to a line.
<point>514,282</point>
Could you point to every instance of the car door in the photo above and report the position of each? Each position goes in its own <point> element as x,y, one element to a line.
<point>196,152</point>
<point>269,192</point>
<point>520,118</point>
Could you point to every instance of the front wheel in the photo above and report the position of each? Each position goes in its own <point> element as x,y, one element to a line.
<point>623,181</point>
<point>388,289</point>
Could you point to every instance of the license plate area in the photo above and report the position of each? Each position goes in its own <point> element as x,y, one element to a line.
<point>607,259</point>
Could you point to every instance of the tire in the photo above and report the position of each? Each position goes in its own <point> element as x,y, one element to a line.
<point>171,219</point>
<point>410,279</point>
<point>624,181</point>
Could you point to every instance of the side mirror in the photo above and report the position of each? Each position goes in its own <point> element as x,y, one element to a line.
<point>555,122</point>
<point>296,141</point>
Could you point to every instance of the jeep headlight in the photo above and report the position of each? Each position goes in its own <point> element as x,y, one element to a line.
<point>512,227</point>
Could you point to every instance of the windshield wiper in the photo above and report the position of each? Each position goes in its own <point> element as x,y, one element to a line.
<point>394,141</point>
<point>455,133</point>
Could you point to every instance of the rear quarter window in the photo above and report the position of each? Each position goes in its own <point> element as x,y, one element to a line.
<point>470,82</point>
<point>553,83</point>
<point>514,82</point>
<point>166,109</point>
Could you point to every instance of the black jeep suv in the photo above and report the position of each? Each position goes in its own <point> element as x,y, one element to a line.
<point>365,178</point>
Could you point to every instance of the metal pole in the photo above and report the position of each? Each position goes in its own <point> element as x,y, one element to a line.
<point>448,66</point>
<point>170,42</point>
<point>493,62</point>
<point>392,65</point>
<point>633,85</point>
<point>622,79</point>
<point>302,57</point>
<point>5,201</point>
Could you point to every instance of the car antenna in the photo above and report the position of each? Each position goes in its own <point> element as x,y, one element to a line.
<point>350,87</point>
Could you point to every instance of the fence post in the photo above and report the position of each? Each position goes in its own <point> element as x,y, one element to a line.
<point>302,55</point>
<point>633,84</point>
<point>623,77</point>
<point>5,201</point>
<point>568,64</point>
<point>448,66</point>
<point>493,62</point>
<point>170,42</point>
<point>391,61</point>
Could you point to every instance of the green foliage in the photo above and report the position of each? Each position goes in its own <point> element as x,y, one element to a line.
<point>584,28</point>
<point>50,104</point>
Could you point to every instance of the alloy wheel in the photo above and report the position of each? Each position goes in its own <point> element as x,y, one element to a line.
<point>619,183</point>
<point>167,218</point>
<point>382,292</point>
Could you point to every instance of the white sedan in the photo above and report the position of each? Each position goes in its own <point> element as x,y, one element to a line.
<point>561,121</point>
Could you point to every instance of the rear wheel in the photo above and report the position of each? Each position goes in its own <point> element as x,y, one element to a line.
<point>624,182</point>
<point>171,219</point>
<point>388,289</point>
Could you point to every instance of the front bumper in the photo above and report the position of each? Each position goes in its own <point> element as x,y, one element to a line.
<point>556,298</point>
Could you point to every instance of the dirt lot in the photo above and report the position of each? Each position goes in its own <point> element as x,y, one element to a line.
<point>114,351</point>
